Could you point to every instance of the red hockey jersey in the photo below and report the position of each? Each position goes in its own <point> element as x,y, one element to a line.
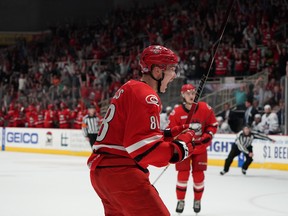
<point>130,127</point>
<point>64,118</point>
<point>79,119</point>
<point>203,119</point>
<point>49,118</point>
<point>39,119</point>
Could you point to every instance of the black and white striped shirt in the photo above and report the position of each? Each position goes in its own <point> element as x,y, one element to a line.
<point>90,125</point>
<point>243,142</point>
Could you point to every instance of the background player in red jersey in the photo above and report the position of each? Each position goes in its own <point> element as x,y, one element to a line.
<point>64,116</point>
<point>39,117</point>
<point>81,112</point>
<point>124,148</point>
<point>50,116</point>
<point>204,124</point>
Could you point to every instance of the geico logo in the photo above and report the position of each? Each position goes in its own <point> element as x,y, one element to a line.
<point>22,137</point>
<point>218,146</point>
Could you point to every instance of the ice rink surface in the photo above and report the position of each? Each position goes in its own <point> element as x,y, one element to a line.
<point>57,185</point>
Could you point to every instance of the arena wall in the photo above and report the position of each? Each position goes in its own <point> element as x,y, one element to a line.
<point>267,155</point>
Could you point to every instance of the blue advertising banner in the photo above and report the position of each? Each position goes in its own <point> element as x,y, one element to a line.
<point>2,139</point>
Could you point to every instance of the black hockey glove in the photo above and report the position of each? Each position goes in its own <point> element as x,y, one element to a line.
<point>183,147</point>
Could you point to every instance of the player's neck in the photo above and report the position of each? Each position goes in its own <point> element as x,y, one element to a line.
<point>188,106</point>
<point>149,81</point>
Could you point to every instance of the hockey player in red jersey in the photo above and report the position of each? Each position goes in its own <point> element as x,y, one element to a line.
<point>204,124</point>
<point>39,117</point>
<point>2,118</point>
<point>18,115</point>
<point>10,115</point>
<point>64,116</point>
<point>29,116</point>
<point>79,116</point>
<point>50,116</point>
<point>124,148</point>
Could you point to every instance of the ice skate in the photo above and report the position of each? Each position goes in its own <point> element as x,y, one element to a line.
<point>223,172</point>
<point>180,206</point>
<point>244,171</point>
<point>197,206</point>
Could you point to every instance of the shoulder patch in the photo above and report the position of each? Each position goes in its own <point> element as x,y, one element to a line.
<point>152,99</point>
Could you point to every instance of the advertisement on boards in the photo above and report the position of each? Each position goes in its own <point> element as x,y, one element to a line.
<point>264,151</point>
<point>63,141</point>
<point>45,138</point>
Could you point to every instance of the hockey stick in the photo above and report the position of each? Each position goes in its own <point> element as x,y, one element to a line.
<point>160,174</point>
<point>206,75</point>
<point>211,60</point>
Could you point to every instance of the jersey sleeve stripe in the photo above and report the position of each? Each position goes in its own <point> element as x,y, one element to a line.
<point>138,158</point>
<point>96,147</point>
<point>142,143</point>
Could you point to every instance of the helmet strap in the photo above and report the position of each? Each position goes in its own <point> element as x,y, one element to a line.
<point>158,80</point>
<point>158,86</point>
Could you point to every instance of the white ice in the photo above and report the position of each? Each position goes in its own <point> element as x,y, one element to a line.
<point>57,185</point>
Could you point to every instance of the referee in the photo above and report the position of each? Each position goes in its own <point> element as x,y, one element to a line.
<point>90,125</point>
<point>243,143</point>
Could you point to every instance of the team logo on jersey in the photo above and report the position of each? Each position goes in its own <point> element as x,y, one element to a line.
<point>152,99</point>
<point>197,127</point>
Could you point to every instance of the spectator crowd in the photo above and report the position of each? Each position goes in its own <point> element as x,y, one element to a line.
<point>79,65</point>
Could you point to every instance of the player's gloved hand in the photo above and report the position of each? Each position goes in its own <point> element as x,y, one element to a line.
<point>175,131</point>
<point>170,133</point>
<point>183,147</point>
<point>203,139</point>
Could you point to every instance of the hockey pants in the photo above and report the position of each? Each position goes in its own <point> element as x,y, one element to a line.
<point>126,191</point>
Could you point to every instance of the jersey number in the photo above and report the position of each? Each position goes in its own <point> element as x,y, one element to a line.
<point>109,116</point>
<point>105,124</point>
<point>154,123</point>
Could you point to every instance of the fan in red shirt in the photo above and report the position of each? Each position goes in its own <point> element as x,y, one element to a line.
<point>221,65</point>
<point>130,139</point>
<point>239,63</point>
<point>267,33</point>
<point>205,125</point>
<point>253,63</point>
<point>115,85</point>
